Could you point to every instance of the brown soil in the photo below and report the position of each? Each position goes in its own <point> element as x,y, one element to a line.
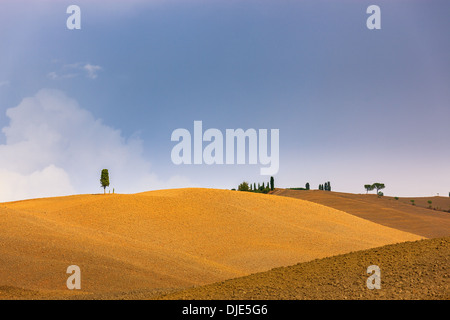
<point>399,214</point>
<point>159,241</point>
<point>411,270</point>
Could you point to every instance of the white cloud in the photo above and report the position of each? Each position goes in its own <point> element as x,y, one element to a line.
<point>73,70</point>
<point>92,70</point>
<point>54,147</point>
<point>56,76</point>
<point>49,181</point>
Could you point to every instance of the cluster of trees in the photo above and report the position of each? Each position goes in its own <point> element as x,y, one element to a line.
<point>262,188</point>
<point>375,186</point>
<point>326,186</point>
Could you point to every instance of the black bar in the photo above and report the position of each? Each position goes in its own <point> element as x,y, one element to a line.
<point>223,309</point>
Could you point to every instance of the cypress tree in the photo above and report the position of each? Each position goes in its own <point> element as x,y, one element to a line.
<point>104,180</point>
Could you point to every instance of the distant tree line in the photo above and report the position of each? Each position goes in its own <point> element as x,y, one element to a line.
<point>326,186</point>
<point>261,188</point>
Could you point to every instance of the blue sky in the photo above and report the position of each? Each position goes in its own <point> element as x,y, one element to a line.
<point>353,106</point>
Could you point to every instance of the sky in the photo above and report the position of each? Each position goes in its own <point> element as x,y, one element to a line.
<point>353,106</point>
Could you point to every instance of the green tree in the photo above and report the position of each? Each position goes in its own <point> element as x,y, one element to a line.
<point>272,183</point>
<point>104,180</point>
<point>378,186</point>
<point>307,187</point>
<point>368,187</point>
<point>243,186</point>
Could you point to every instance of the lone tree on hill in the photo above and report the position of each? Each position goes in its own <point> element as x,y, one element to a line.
<point>272,183</point>
<point>104,180</point>
<point>307,187</point>
<point>368,187</point>
<point>378,186</point>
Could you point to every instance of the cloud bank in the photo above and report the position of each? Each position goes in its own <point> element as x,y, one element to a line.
<point>54,147</point>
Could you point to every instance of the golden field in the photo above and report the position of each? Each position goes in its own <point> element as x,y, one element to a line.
<point>168,239</point>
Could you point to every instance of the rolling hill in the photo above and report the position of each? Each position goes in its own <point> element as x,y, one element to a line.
<point>410,270</point>
<point>168,239</point>
<point>399,214</point>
